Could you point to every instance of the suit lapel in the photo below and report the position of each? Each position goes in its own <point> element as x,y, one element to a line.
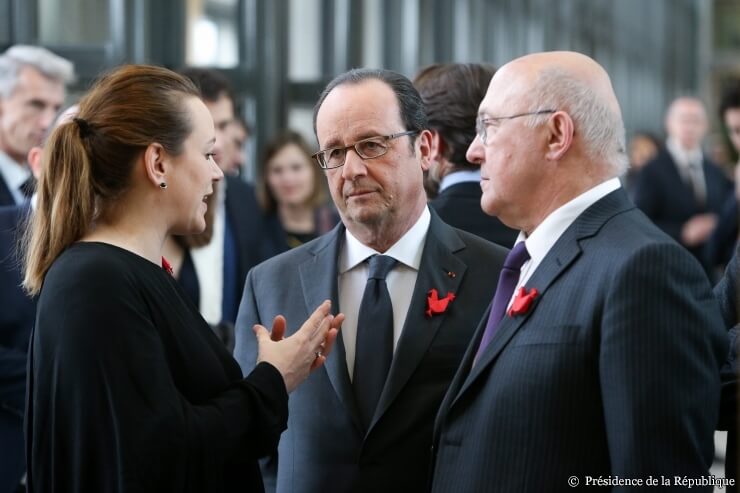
<point>562,255</point>
<point>6,198</point>
<point>419,331</point>
<point>319,282</point>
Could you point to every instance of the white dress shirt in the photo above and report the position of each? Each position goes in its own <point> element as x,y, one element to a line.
<point>353,272</point>
<point>208,261</point>
<point>689,164</point>
<point>552,228</point>
<point>14,175</point>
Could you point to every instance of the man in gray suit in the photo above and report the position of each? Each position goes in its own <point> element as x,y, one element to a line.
<point>364,423</point>
<point>605,366</point>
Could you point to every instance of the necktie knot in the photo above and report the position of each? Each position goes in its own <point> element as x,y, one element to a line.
<point>28,187</point>
<point>380,266</point>
<point>517,257</point>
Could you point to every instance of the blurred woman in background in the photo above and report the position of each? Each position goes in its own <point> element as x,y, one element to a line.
<point>292,194</point>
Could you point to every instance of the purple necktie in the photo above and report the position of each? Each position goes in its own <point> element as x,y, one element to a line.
<point>507,282</point>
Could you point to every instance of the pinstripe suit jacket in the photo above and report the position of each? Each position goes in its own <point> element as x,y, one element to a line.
<point>324,449</point>
<point>614,370</point>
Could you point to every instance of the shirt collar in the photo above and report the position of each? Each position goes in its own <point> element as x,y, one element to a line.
<point>462,176</point>
<point>15,174</point>
<point>683,156</point>
<point>407,250</point>
<point>549,231</point>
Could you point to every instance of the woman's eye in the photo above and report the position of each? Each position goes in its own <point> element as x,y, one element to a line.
<point>209,156</point>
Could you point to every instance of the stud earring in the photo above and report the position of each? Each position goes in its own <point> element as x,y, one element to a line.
<point>163,185</point>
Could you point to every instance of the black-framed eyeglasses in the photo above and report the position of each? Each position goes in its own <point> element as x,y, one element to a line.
<point>369,148</point>
<point>481,123</point>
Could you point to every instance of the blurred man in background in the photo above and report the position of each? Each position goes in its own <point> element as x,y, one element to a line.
<point>682,191</point>
<point>32,91</point>
<point>451,94</point>
<point>221,266</point>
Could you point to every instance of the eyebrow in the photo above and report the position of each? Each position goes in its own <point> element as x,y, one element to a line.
<point>367,134</point>
<point>211,141</point>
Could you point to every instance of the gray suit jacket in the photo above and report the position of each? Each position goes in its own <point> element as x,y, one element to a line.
<point>324,449</point>
<point>614,370</point>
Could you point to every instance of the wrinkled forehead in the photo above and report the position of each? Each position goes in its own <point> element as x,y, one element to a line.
<point>357,110</point>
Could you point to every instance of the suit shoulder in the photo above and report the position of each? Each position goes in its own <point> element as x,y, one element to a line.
<point>289,260</point>
<point>481,246</point>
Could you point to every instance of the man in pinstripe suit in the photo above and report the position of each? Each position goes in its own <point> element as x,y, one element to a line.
<point>607,364</point>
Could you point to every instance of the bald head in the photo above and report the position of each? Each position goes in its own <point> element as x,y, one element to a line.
<point>573,83</point>
<point>686,122</point>
<point>569,64</point>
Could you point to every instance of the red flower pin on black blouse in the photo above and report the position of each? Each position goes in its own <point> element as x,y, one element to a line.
<point>167,266</point>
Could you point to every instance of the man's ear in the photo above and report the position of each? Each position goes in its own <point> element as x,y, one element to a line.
<point>560,133</point>
<point>34,160</point>
<point>424,148</point>
<point>437,146</point>
<point>156,164</point>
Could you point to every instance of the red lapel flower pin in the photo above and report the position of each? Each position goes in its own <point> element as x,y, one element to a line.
<point>167,266</point>
<point>437,305</point>
<point>522,301</point>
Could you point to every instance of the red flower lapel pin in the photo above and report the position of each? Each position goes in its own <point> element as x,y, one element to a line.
<point>167,266</point>
<point>437,305</point>
<point>522,301</point>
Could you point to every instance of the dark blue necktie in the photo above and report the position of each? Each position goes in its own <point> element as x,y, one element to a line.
<point>507,282</point>
<point>374,346</point>
<point>28,187</point>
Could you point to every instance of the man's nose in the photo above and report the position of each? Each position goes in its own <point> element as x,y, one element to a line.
<point>475,152</point>
<point>354,165</point>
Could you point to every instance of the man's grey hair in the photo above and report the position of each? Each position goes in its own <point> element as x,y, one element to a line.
<point>20,56</point>
<point>601,128</point>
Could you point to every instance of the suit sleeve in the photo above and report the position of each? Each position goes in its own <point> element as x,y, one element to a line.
<point>245,347</point>
<point>662,345</point>
<point>245,353</point>
<point>13,380</point>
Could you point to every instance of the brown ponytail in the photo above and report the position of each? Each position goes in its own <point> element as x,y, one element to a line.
<point>88,162</point>
<point>65,203</point>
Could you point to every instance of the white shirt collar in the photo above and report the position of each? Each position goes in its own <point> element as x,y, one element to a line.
<point>407,250</point>
<point>549,231</point>
<point>15,175</point>
<point>462,176</point>
<point>682,156</point>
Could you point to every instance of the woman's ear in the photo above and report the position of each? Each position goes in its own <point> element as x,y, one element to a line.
<point>156,164</point>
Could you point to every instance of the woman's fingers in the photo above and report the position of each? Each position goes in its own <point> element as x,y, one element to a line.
<point>313,324</point>
<point>278,328</point>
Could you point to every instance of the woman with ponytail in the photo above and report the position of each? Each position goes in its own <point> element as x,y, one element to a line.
<point>129,389</point>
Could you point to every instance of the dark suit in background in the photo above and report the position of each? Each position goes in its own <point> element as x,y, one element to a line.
<point>6,198</point>
<point>324,449</point>
<point>665,197</point>
<point>16,320</point>
<point>459,205</point>
<point>242,250</point>
<point>613,371</point>
<point>244,216</point>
